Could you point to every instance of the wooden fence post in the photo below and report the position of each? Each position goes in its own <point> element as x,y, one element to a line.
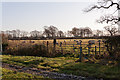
<point>61,47</point>
<point>54,44</point>
<point>73,48</point>
<point>47,46</point>
<point>43,43</point>
<point>99,46</point>
<point>80,43</point>
<point>65,44</point>
<point>80,57</point>
<point>88,51</point>
<point>95,51</point>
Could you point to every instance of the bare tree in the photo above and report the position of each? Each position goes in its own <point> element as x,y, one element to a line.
<point>53,31</point>
<point>14,32</point>
<point>60,33</point>
<point>81,32</point>
<point>75,32</point>
<point>35,33</point>
<point>69,33</point>
<point>106,4</point>
<point>46,32</point>
<point>98,33</point>
<point>108,19</point>
<point>24,33</point>
<point>50,31</point>
<point>87,31</point>
<point>111,29</point>
<point>18,33</point>
<point>8,33</point>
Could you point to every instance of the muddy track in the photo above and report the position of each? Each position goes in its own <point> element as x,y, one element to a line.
<point>53,75</point>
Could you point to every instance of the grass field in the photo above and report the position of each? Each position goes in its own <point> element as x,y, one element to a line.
<point>51,64</point>
<point>65,65</point>
<point>13,43</point>
<point>14,75</point>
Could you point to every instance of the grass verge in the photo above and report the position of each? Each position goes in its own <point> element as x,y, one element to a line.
<point>14,75</point>
<point>65,65</point>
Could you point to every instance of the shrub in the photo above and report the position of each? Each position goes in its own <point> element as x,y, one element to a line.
<point>4,45</point>
<point>34,50</point>
<point>113,47</point>
<point>4,39</point>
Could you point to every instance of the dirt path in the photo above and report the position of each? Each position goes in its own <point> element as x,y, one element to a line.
<point>53,75</point>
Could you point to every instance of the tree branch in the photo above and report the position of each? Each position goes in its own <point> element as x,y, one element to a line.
<point>108,18</point>
<point>105,7</point>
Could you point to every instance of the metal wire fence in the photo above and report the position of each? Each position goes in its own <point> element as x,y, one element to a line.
<point>91,47</point>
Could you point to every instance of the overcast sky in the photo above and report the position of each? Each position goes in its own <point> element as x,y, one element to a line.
<point>30,16</point>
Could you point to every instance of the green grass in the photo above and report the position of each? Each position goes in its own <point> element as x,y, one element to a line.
<point>92,70</point>
<point>13,75</point>
<point>65,65</point>
<point>51,64</point>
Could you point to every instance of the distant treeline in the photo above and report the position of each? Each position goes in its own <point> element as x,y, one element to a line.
<point>52,32</point>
